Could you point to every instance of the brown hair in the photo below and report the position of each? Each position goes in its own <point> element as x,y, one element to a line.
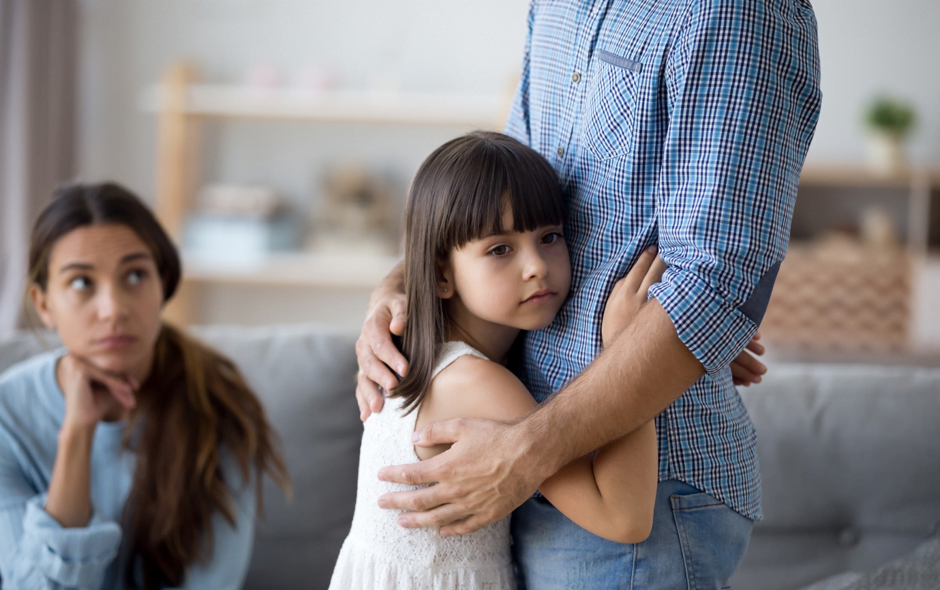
<point>194,405</point>
<point>458,195</point>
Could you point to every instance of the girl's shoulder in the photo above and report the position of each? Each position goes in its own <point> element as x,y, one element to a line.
<point>471,386</point>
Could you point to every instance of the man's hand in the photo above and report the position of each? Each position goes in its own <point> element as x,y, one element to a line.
<point>489,471</point>
<point>375,350</point>
<point>746,369</point>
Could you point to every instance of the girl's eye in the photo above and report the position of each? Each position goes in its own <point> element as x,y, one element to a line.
<point>80,283</point>
<point>135,277</point>
<point>500,250</point>
<point>552,237</point>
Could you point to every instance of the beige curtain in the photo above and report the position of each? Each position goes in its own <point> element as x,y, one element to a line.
<point>38,47</point>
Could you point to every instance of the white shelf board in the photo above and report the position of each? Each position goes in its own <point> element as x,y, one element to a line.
<point>857,176</point>
<point>300,269</point>
<point>482,110</point>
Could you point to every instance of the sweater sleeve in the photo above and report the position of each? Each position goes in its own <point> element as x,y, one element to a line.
<point>37,552</point>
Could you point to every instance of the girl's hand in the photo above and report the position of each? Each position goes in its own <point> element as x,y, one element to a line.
<point>630,293</point>
<point>92,394</point>
<point>745,369</point>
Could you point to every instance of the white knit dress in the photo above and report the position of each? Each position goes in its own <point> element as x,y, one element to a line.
<point>378,554</point>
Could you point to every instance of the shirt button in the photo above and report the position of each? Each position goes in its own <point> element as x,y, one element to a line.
<point>576,77</point>
<point>560,151</point>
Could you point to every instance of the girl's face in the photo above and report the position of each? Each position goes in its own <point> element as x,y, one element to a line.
<point>104,298</point>
<point>517,280</point>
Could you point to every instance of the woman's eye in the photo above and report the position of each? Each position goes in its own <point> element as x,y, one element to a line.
<point>552,237</point>
<point>135,277</point>
<point>500,250</point>
<point>80,283</point>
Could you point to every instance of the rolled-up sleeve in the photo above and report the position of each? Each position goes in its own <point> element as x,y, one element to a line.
<point>743,100</point>
<point>40,553</point>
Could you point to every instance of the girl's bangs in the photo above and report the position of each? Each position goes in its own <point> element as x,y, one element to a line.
<point>505,173</point>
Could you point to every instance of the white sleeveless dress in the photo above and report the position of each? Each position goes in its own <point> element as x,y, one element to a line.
<point>380,555</point>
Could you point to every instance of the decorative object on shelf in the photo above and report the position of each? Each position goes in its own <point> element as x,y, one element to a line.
<point>889,122</point>
<point>316,79</point>
<point>263,76</point>
<point>235,224</point>
<point>876,229</point>
<point>356,213</point>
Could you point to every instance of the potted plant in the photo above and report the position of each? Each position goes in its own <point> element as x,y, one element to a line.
<point>889,121</point>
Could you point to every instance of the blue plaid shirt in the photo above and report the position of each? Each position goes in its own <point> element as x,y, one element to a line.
<point>682,123</point>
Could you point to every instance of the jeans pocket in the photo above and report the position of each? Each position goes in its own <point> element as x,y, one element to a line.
<point>713,538</point>
<point>610,110</point>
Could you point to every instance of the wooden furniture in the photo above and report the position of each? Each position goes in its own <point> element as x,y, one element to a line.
<point>846,305</point>
<point>843,297</point>
<point>182,105</point>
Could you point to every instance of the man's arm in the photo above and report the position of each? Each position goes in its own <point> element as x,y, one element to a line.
<point>375,350</point>
<point>493,467</point>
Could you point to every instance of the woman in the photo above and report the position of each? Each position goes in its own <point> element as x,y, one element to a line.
<point>133,457</point>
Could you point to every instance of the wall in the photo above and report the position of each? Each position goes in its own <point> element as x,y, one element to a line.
<point>867,47</point>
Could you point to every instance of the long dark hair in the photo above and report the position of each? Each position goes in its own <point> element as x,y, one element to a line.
<point>193,404</point>
<point>458,195</point>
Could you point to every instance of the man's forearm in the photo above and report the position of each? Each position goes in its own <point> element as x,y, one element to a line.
<point>635,378</point>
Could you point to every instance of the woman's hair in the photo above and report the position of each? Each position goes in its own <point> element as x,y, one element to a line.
<point>458,195</point>
<point>194,404</point>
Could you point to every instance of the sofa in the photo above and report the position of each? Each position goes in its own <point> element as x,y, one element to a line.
<point>850,463</point>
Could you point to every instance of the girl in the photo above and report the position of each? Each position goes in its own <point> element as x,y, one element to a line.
<point>486,259</point>
<point>133,457</point>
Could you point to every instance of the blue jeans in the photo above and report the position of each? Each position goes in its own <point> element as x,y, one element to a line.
<point>696,544</point>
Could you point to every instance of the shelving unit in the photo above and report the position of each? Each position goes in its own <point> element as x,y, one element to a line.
<point>183,104</point>
<point>918,187</point>
<point>864,301</point>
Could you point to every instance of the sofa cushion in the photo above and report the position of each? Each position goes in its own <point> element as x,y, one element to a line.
<point>850,468</point>
<point>304,375</point>
<point>918,571</point>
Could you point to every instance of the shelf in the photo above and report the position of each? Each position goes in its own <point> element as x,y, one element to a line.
<point>299,269</point>
<point>481,110</point>
<point>847,176</point>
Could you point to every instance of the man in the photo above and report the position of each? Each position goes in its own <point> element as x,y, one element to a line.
<point>678,122</point>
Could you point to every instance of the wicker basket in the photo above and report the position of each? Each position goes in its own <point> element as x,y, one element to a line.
<point>841,299</point>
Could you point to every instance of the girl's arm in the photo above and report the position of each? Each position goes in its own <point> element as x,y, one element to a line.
<point>612,491</point>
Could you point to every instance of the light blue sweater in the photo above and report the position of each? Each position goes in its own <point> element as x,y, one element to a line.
<point>35,551</point>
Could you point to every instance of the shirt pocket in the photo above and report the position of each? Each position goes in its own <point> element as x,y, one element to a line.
<point>611,106</point>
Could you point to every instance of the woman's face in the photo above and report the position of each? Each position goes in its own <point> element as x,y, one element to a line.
<point>104,298</point>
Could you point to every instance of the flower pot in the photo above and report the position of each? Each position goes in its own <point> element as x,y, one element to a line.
<point>886,153</point>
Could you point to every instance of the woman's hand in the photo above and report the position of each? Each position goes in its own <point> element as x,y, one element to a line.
<point>92,394</point>
<point>630,293</point>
